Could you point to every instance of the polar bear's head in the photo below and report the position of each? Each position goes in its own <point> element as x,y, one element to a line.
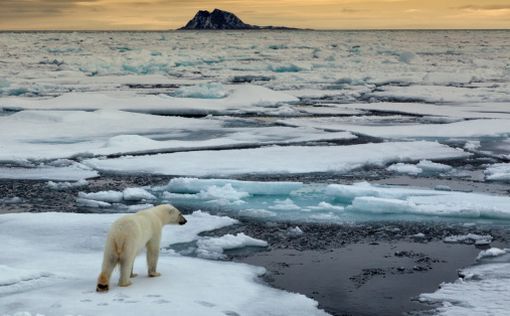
<point>172,215</point>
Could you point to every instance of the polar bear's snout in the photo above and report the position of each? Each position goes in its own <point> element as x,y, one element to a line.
<point>182,220</point>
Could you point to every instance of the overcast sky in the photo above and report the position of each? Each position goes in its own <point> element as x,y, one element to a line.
<point>320,14</point>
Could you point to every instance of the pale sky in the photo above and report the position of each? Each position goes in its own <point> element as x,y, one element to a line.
<point>318,14</point>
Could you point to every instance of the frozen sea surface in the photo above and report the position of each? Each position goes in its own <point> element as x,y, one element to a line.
<point>329,112</point>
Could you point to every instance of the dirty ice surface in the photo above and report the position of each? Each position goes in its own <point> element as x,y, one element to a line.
<point>326,110</point>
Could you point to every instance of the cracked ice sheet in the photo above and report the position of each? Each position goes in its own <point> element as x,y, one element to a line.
<point>466,110</point>
<point>277,160</point>
<point>65,258</point>
<point>63,134</point>
<point>463,129</point>
<point>243,98</point>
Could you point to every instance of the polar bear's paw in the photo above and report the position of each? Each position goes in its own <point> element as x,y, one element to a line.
<point>154,274</point>
<point>125,283</point>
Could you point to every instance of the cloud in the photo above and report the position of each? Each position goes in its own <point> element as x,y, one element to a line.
<point>21,9</point>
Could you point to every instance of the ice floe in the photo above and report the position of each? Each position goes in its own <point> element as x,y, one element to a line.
<point>498,172</point>
<point>66,253</point>
<point>274,160</point>
<point>482,290</point>
<point>462,129</point>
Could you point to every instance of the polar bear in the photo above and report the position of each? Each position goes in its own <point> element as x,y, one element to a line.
<point>128,236</point>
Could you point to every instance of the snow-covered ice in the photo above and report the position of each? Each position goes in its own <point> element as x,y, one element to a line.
<point>274,160</point>
<point>59,276</point>
<point>482,291</point>
<point>498,172</point>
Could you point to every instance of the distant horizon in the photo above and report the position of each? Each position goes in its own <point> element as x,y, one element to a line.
<point>262,30</point>
<point>327,15</point>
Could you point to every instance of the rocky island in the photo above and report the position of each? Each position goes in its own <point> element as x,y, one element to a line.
<point>223,20</point>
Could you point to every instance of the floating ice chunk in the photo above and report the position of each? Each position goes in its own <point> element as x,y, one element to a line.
<point>105,196</point>
<point>472,145</point>
<point>210,90</point>
<point>405,168</point>
<point>11,200</point>
<point>195,185</point>
<point>60,186</point>
<point>92,203</point>
<point>441,187</point>
<point>213,247</point>
<point>226,192</point>
<point>285,205</point>
<point>139,207</point>
<point>367,198</point>
<point>433,167</point>
<point>259,213</point>
<point>324,217</point>
<point>498,172</point>
<point>327,206</point>
<point>468,239</point>
<point>492,252</point>
<point>286,68</point>
<point>136,194</point>
<point>294,231</point>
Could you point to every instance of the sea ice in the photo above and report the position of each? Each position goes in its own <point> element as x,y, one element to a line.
<point>498,172</point>
<point>482,291</point>
<point>136,194</point>
<point>277,160</point>
<point>70,246</point>
<point>60,186</point>
<point>213,247</point>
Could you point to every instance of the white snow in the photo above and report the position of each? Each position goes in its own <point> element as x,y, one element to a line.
<point>213,247</point>
<point>274,160</point>
<point>285,205</point>
<point>66,249</point>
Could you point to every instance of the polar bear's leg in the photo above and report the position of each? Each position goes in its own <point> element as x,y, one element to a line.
<point>126,268</point>
<point>109,263</point>
<point>153,255</point>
